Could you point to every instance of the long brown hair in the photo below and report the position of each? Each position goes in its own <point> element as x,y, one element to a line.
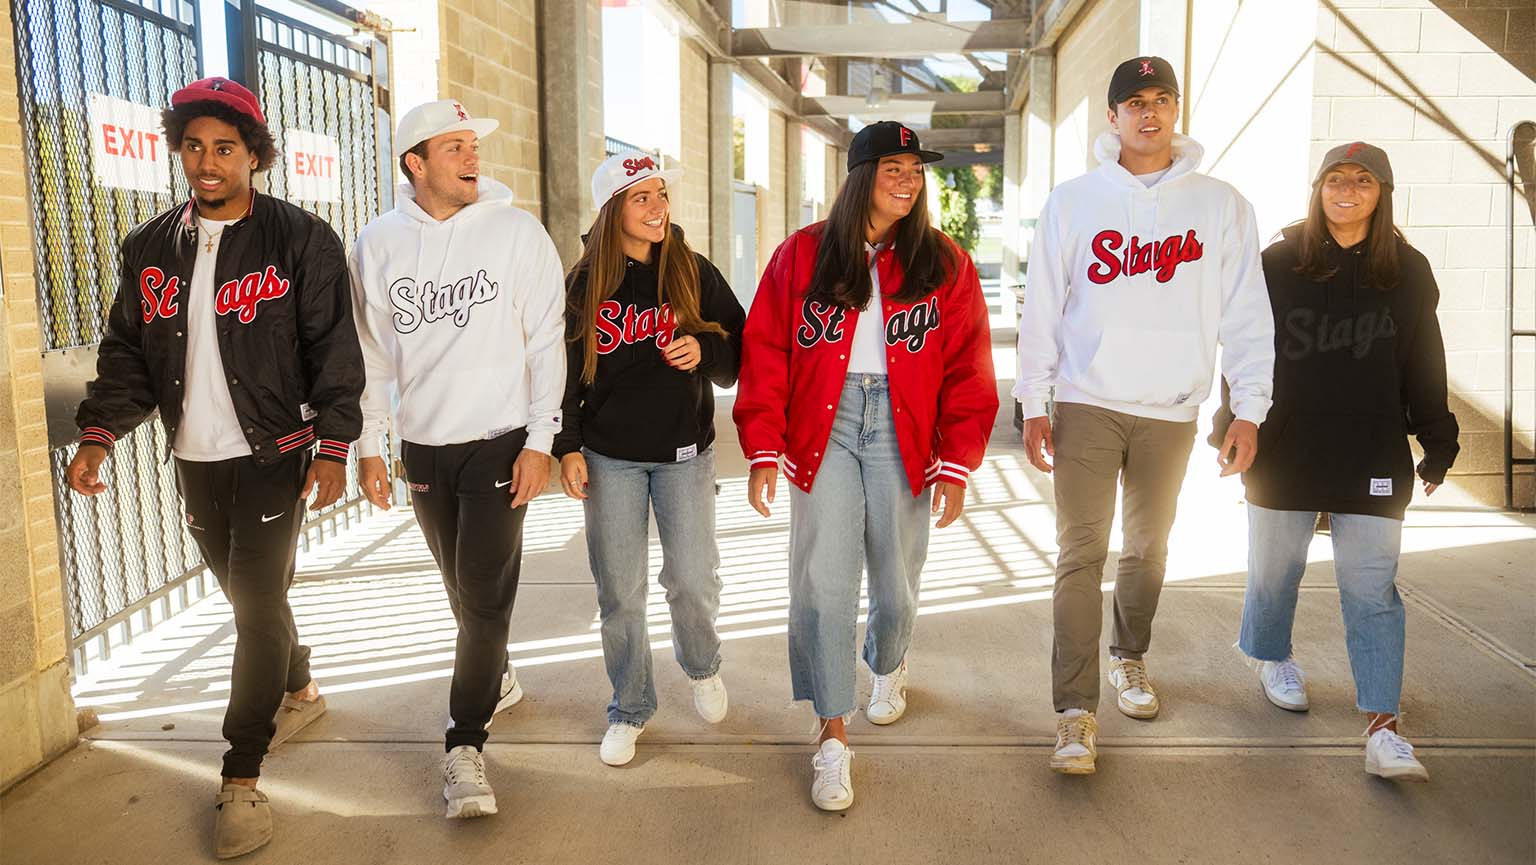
<point>1381,240</point>
<point>602,263</point>
<point>841,274</point>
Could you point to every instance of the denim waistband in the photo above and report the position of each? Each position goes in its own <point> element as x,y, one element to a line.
<point>869,382</point>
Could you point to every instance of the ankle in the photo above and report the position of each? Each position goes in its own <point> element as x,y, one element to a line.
<point>833,728</point>
<point>243,782</point>
<point>309,693</point>
<point>1379,721</point>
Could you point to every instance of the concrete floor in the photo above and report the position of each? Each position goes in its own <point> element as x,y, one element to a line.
<point>1221,777</point>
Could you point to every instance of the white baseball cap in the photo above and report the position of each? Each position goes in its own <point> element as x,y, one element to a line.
<point>438,118</point>
<point>623,170</point>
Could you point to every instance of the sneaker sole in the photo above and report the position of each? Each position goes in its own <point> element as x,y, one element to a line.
<point>715,720</point>
<point>834,805</point>
<point>470,807</point>
<point>1289,707</point>
<point>1073,766</point>
<point>1140,713</point>
<point>512,698</point>
<point>623,761</point>
<point>1407,773</point>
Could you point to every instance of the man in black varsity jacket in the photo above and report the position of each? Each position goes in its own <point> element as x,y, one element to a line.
<point>233,319</point>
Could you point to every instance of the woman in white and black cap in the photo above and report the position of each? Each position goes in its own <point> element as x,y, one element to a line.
<point>651,328</point>
<point>866,369</point>
<point>1359,366</point>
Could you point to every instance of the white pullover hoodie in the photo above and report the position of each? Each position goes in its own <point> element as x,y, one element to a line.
<point>466,317</point>
<point>1130,289</point>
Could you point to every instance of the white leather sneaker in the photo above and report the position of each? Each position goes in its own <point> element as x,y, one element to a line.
<point>465,789</point>
<point>832,786</point>
<point>710,699</point>
<point>1076,750</point>
<point>1135,696</point>
<point>1388,755</point>
<point>618,745</point>
<point>1284,684</point>
<point>888,697</point>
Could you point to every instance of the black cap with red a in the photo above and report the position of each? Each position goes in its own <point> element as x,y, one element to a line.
<point>886,138</point>
<point>1138,73</point>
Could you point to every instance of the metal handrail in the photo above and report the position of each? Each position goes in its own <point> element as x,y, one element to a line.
<point>1511,181</point>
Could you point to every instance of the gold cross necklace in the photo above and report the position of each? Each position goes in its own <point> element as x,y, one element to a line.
<point>212,236</point>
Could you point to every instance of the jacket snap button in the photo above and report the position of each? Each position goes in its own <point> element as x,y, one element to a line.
<point>250,430</point>
<point>829,408</point>
<point>255,447</point>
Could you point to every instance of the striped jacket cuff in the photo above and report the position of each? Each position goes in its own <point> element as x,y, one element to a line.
<point>763,459</point>
<point>330,449</point>
<point>95,435</point>
<point>948,472</point>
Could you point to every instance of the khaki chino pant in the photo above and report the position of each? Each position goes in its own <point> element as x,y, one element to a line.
<point>1097,450</point>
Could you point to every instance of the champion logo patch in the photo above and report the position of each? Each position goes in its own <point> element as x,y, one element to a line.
<point>1381,486</point>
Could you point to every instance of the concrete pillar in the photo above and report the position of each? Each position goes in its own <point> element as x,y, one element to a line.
<point>1013,179</point>
<point>722,164</point>
<point>794,174</point>
<point>567,39</point>
<point>1038,158</point>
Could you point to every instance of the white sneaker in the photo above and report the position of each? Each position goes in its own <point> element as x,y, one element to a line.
<point>1388,755</point>
<point>511,694</point>
<point>1076,750</point>
<point>832,787</point>
<point>464,786</point>
<point>710,699</point>
<point>888,698</point>
<point>618,745</point>
<point>1135,695</point>
<point>1284,684</point>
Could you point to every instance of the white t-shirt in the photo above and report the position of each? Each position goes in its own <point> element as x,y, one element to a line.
<point>210,430</point>
<point>1150,180</point>
<point>868,351</point>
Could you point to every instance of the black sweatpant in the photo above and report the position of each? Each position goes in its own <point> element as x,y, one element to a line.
<point>246,518</point>
<point>462,495</point>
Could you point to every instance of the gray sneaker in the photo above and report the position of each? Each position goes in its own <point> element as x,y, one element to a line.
<point>244,821</point>
<point>465,789</point>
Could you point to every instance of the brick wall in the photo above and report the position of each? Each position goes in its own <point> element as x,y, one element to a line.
<point>489,62</point>
<point>771,230</point>
<point>1439,90</point>
<point>36,711</point>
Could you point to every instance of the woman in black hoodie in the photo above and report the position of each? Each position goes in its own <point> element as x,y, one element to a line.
<point>650,326</point>
<point>1359,365</point>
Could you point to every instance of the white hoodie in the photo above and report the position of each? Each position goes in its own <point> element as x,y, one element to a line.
<point>1138,333</point>
<point>466,316</point>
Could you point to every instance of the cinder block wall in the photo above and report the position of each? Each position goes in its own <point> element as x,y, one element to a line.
<point>690,203</point>
<point>1101,36</point>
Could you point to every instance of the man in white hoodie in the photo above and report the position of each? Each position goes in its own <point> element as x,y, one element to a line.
<point>459,301</point>
<point>1139,270</point>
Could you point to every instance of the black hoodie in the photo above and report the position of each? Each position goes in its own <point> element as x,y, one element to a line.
<point>638,407</point>
<point>1356,371</point>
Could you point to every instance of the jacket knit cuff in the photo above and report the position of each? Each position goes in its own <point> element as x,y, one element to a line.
<point>95,435</point>
<point>333,450</point>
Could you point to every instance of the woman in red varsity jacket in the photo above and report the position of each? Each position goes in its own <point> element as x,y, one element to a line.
<point>867,369</point>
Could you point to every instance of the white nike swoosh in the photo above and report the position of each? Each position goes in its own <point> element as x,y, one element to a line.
<point>267,519</point>
<point>501,484</point>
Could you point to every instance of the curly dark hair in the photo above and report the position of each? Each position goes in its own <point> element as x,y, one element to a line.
<point>257,138</point>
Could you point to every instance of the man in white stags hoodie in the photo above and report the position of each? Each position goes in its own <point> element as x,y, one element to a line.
<point>459,301</point>
<point>1139,270</point>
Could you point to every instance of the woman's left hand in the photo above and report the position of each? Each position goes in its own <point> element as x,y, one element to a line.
<point>682,353</point>
<point>1429,488</point>
<point>954,502</point>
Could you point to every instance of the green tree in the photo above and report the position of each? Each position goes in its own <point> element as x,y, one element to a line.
<point>958,190</point>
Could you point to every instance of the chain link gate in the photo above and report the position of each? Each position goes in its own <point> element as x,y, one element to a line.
<point>83,65</point>
<point>72,56</point>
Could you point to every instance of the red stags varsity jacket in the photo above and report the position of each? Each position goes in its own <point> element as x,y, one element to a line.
<point>795,358</point>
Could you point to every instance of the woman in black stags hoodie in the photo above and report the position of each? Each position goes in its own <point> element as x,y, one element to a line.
<point>650,326</point>
<point>1359,365</point>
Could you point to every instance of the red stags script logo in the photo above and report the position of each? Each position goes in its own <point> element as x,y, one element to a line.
<point>622,325</point>
<point>1164,257</point>
<point>635,166</point>
<point>241,295</point>
<point>163,303</point>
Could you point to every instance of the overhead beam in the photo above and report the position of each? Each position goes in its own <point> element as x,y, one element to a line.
<point>789,101</point>
<point>703,23</point>
<point>953,158</point>
<point>886,39</point>
<point>959,139</point>
<point>988,102</point>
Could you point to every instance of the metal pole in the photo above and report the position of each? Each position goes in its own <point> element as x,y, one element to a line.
<point>1510,180</point>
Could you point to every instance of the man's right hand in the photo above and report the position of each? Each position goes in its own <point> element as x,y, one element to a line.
<point>762,478</point>
<point>373,477</point>
<point>1037,433</point>
<point>84,471</point>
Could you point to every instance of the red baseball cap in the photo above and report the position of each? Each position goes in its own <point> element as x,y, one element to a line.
<point>223,91</point>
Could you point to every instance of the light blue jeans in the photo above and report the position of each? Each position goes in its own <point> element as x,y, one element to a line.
<point>1365,553</point>
<point>620,495</point>
<point>860,511</point>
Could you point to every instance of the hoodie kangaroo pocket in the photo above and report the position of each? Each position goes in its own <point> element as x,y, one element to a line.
<point>1339,455</point>
<point>1149,367</point>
